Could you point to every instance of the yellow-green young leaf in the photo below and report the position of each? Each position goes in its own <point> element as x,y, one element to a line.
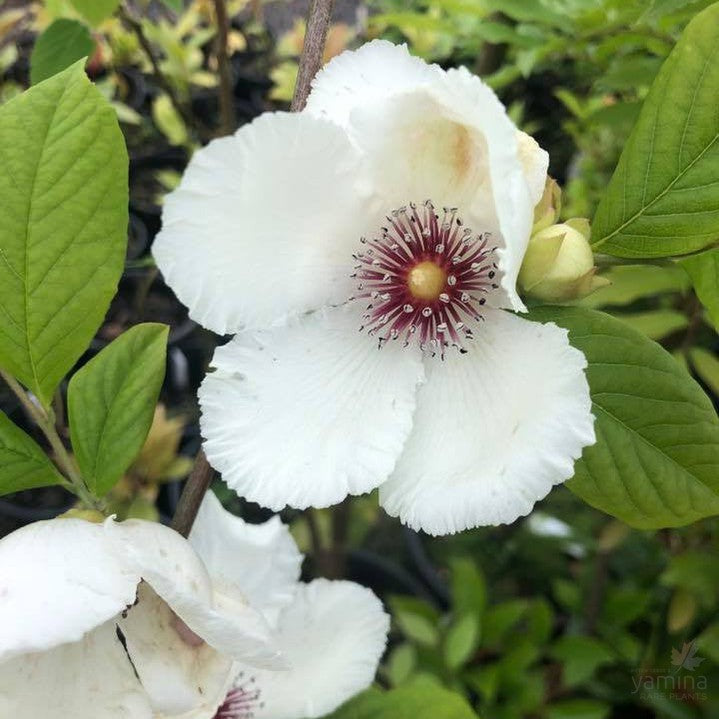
<point>23,465</point>
<point>656,460</point>
<point>469,588</point>
<point>111,402</point>
<point>417,628</point>
<point>655,324</point>
<point>663,197</point>
<point>62,44</point>
<point>706,366</point>
<point>419,699</point>
<point>461,641</point>
<point>632,282</point>
<point>704,272</point>
<point>63,226</point>
<point>95,11</point>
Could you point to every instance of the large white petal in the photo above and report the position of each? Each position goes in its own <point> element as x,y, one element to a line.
<point>360,77</point>
<point>444,136</point>
<point>494,430</point>
<point>179,671</point>
<point>166,561</point>
<point>334,635</point>
<point>305,414</point>
<point>453,143</point>
<point>88,679</point>
<point>58,580</point>
<point>258,561</point>
<point>264,223</point>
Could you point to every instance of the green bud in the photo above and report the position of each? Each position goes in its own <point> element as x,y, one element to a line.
<point>559,265</point>
<point>547,211</point>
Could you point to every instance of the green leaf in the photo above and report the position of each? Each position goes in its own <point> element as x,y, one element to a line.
<point>420,699</point>
<point>501,619</point>
<point>63,228</point>
<point>177,5</point>
<point>580,657</point>
<point>461,641</point>
<point>706,365</point>
<point>401,663</point>
<point>578,709</point>
<point>62,44</point>
<point>663,197</point>
<point>656,324</point>
<point>704,272</point>
<point>632,282</point>
<point>417,628</point>
<point>708,642</point>
<point>23,465</point>
<point>469,589</point>
<point>95,11</point>
<point>656,460</point>
<point>111,402</point>
<point>695,571</point>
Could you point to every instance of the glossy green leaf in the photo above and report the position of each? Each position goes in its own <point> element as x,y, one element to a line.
<point>62,44</point>
<point>420,699</point>
<point>656,459</point>
<point>663,197</point>
<point>23,465</point>
<point>704,272</point>
<point>111,403</point>
<point>63,228</point>
<point>95,11</point>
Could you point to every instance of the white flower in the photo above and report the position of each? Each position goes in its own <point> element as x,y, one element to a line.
<point>331,633</point>
<point>116,621</point>
<point>461,412</point>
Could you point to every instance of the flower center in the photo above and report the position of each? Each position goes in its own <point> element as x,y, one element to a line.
<point>240,701</point>
<point>426,278</point>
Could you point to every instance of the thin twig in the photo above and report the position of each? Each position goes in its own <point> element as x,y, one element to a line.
<point>225,89</point>
<point>318,23</point>
<point>160,78</point>
<point>192,495</point>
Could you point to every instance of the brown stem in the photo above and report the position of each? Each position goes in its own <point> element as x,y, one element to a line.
<point>225,90</point>
<point>160,78</point>
<point>192,495</point>
<point>318,23</point>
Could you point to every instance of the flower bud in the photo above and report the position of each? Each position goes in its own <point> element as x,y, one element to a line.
<point>546,212</point>
<point>559,264</point>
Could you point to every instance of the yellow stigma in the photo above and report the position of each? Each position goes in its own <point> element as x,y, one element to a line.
<point>426,280</point>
